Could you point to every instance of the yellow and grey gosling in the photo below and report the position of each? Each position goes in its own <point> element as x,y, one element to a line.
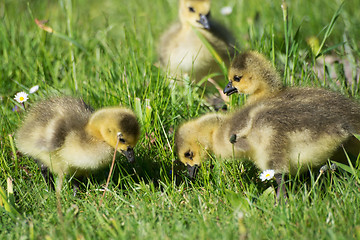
<point>181,51</point>
<point>297,130</point>
<point>297,111</point>
<point>66,137</point>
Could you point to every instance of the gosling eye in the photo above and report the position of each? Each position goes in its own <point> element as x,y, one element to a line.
<point>189,154</point>
<point>122,140</point>
<point>237,78</point>
<point>191,9</point>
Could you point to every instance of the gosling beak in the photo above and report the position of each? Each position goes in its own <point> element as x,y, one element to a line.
<point>229,89</point>
<point>204,21</point>
<point>232,139</point>
<point>129,154</point>
<point>192,170</point>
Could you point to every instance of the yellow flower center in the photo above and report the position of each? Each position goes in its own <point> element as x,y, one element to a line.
<point>267,175</point>
<point>21,98</point>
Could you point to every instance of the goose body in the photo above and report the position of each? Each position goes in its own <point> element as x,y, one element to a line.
<point>307,124</point>
<point>296,130</point>
<point>64,135</point>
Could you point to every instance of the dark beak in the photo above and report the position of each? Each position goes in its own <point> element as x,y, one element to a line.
<point>229,89</point>
<point>129,154</point>
<point>192,170</point>
<point>232,139</point>
<point>204,21</point>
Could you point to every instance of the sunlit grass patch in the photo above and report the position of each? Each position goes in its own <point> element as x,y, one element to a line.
<point>104,52</point>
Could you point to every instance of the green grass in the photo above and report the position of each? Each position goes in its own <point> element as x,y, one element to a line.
<point>104,52</point>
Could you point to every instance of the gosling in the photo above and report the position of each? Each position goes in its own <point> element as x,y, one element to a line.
<point>297,130</point>
<point>67,138</point>
<point>182,51</point>
<point>251,73</point>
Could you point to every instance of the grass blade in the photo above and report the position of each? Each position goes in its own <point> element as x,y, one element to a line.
<point>213,52</point>
<point>7,201</point>
<point>329,29</point>
<point>41,24</point>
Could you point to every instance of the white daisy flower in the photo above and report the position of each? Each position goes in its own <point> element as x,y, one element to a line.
<point>226,10</point>
<point>21,97</point>
<point>34,89</point>
<point>267,174</point>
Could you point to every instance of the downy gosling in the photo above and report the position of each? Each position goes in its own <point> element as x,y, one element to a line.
<point>300,108</point>
<point>296,130</point>
<point>251,73</point>
<point>181,51</point>
<point>66,137</point>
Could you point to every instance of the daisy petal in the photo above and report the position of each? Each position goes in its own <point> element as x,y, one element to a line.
<point>226,10</point>
<point>34,89</point>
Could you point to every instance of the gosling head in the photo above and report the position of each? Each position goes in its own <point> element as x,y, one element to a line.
<point>116,125</point>
<point>251,73</point>
<point>195,13</point>
<point>193,141</point>
<point>189,150</point>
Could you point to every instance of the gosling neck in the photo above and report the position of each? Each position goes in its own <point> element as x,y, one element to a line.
<point>264,91</point>
<point>93,131</point>
<point>208,128</point>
